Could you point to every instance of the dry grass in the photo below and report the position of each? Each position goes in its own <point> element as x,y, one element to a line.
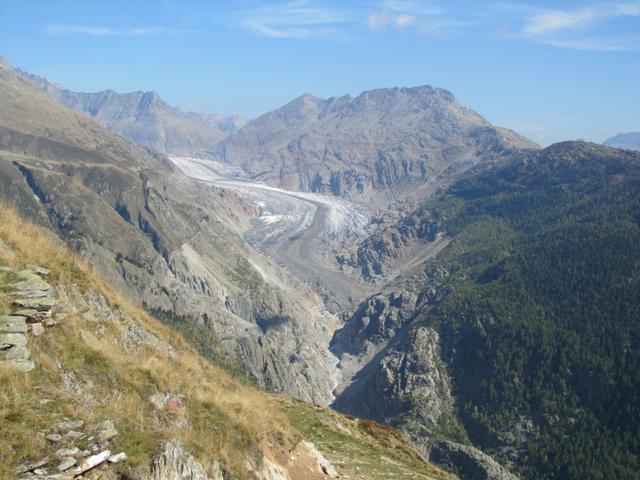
<point>86,370</point>
<point>222,418</point>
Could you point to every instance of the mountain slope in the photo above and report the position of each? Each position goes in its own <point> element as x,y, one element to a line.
<point>521,336</point>
<point>111,382</point>
<point>146,119</point>
<point>358,147</point>
<point>170,244</point>
<point>629,141</point>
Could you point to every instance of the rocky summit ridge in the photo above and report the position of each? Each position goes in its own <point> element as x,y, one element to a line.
<point>145,118</point>
<point>377,144</point>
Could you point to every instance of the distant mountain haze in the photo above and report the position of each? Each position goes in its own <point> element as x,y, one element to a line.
<point>628,141</point>
<point>145,118</point>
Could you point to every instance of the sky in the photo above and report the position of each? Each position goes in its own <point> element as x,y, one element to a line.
<point>551,70</point>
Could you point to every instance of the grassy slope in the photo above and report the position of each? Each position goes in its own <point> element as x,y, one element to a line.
<point>222,418</point>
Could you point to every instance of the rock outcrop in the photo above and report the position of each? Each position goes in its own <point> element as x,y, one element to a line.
<point>174,463</point>
<point>468,462</point>
<point>32,299</point>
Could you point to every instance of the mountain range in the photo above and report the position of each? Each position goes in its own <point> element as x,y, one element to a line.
<point>382,142</point>
<point>629,141</point>
<point>483,290</point>
<point>146,119</point>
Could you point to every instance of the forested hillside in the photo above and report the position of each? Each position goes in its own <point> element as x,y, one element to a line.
<point>542,330</point>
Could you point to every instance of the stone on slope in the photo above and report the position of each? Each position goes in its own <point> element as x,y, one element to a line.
<point>13,324</point>
<point>91,462</point>
<point>40,304</point>
<point>66,463</point>
<point>105,431</point>
<point>118,457</point>
<point>29,467</point>
<point>174,463</point>
<point>37,329</point>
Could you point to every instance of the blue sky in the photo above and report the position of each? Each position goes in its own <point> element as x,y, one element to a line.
<point>551,70</point>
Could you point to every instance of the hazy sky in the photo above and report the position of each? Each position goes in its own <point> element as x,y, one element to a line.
<point>551,70</point>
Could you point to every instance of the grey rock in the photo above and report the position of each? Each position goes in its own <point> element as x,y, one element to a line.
<point>14,352</point>
<point>174,463</point>
<point>40,304</point>
<point>66,463</point>
<point>28,467</point>
<point>8,340</point>
<point>105,431</point>
<point>34,315</point>
<point>13,324</point>
<point>74,435</point>
<point>91,462</point>
<point>118,457</point>
<point>392,138</point>
<point>37,329</point>
<point>146,119</point>
<point>69,425</point>
<point>468,462</point>
<point>54,437</point>
<point>39,270</point>
<point>215,472</point>
<point>67,452</point>
<point>628,141</point>
<point>30,282</point>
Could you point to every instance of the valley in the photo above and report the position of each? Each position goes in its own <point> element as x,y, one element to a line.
<point>391,257</point>
<point>298,230</point>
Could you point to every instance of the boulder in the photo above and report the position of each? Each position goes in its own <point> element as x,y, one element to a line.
<point>118,457</point>
<point>13,324</point>
<point>37,329</point>
<point>14,352</point>
<point>105,431</point>
<point>29,467</point>
<point>66,463</point>
<point>40,304</point>
<point>8,340</point>
<point>91,462</point>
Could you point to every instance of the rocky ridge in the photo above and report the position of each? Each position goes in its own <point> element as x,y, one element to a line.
<point>382,144</point>
<point>145,118</point>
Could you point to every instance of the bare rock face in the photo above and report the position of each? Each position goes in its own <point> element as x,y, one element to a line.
<point>360,147</point>
<point>174,463</point>
<point>468,462</point>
